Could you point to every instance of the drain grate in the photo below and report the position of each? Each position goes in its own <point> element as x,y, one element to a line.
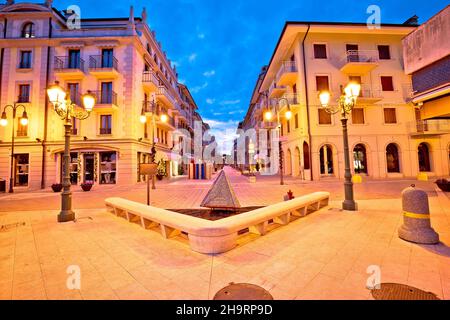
<point>395,291</point>
<point>243,291</point>
<point>10,226</point>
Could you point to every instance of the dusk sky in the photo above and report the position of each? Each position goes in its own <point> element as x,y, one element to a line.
<point>219,47</point>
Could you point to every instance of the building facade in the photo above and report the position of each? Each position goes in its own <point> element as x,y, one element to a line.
<point>385,138</point>
<point>122,63</point>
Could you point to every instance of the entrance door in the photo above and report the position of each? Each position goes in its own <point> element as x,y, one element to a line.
<point>89,168</point>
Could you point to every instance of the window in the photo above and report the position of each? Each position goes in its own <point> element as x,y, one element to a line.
<point>320,51</point>
<point>306,163</point>
<point>387,84</point>
<point>22,130</point>
<point>392,159</point>
<point>107,58</point>
<point>28,30</point>
<point>25,60</point>
<point>74,59</point>
<point>384,52</point>
<point>74,95</point>
<point>296,120</point>
<point>108,168</point>
<point>106,96</point>
<point>358,116</point>
<point>75,126</point>
<point>24,93</point>
<point>324,117</point>
<point>390,116</point>
<point>322,83</point>
<point>21,166</point>
<point>105,124</point>
<point>360,159</point>
<point>73,168</point>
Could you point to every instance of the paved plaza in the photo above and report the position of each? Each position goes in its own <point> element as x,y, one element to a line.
<point>322,256</point>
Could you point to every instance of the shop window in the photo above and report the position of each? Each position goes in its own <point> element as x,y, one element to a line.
<point>22,163</point>
<point>108,167</point>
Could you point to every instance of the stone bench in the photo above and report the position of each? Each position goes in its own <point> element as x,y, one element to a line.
<point>210,237</point>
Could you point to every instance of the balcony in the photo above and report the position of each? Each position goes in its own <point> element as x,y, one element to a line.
<point>288,73</point>
<point>150,81</point>
<point>432,127</point>
<point>150,108</point>
<point>68,68</point>
<point>276,91</point>
<point>360,61</point>
<point>165,97</point>
<point>103,66</point>
<point>105,101</point>
<point>292,98</point>
<point>369,95</point>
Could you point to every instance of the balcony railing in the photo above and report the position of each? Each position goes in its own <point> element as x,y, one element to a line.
<point>163,92</point>
<point>276,90</point>
<point>150,77</point>
<point>287,69</point>
<point>103,62</point>
<point>105,97</point>
<point>293,98</point>
<point>365,56</point>
<point>368,93</point>
<point>67,62</point>
<point>105,131</point>
<point>150,107</point>
<point>432,126</point>
<point>23,99</point>
<point>76,98</point>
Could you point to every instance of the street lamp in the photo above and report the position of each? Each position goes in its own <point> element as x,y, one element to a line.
<point>268,116</point>
<point>67,111</point>
<point>346,103</point>
<point>4,123</point>
<point>143,119</point>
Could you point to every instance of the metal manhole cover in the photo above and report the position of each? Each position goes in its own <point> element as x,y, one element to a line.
<point>395,291</point>
<point>243,291</point>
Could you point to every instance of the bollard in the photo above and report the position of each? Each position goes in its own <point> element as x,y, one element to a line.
<point>416,216</point>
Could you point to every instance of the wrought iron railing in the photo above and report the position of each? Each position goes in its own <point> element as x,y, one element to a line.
<point>103,62</point>
<point>105,97</point>
<point>287,67</point>
<point>365,56</point>
<point>67,62</point>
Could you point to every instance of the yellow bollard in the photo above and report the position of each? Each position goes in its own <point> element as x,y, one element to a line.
<point>357,178</point>
<point>422,177</point>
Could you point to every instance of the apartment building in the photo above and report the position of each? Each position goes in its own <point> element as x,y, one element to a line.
<point>384,133</point>
<point>121,62</point>
<point>429,66</point>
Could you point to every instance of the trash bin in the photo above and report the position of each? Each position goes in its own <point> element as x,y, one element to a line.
<point>2,185</point>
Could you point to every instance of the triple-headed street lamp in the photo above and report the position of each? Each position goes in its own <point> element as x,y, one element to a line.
<point>268,116</point>
<point>4,122</point>
<point>67,110</point>
<point>143,118</point>
<point>346,103</point>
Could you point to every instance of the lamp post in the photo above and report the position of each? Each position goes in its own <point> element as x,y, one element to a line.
<point>346,103</point>
<point>4,122</point>
<point>268,115</point>
<point>67,111</point>
<point>143,118</point>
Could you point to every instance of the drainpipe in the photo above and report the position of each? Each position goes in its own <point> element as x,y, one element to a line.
<point>307,103</point>
<point>2,54</point>
<point>47,78</point>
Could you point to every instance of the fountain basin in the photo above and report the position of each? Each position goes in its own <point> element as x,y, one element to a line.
<point>213,237</point>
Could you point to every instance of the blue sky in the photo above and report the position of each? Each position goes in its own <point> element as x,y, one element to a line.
<point>219,46</point>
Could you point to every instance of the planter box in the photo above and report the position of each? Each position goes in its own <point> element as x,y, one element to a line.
<point>86,187</point>
<point>57,187</point>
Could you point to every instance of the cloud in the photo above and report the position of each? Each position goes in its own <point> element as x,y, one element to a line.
<point>182,81</point>
<point>225,133</point>
<point>192,57</point>
<point>230,102</point>
<point>209,73</point>
<point>210,101</point>
<point>201,36</point>
<point>235,112</point>
<point>197,89</point>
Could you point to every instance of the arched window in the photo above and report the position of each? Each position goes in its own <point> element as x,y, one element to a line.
<point>424,158</point>
<point>392,159</point>
<point>28,30</point>
<point>307,165</point>
<point>326,160</point>
<point>360,159</point>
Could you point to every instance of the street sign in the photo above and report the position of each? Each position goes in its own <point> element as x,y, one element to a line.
<point>148,169</point>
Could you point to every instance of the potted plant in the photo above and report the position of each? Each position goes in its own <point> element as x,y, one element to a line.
<point>161,170</point>
<point>443,184</point>
<point>57,187</point>
<point>87,186</point>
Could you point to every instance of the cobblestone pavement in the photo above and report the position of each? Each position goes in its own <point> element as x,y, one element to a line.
<point>322,256</point>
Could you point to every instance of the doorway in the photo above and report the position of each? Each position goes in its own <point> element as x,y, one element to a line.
<point>89,168</point>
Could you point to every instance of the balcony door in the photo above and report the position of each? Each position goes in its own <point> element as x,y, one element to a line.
<point>89,167</point>
<point>107,93</point>
<point>107,58</point>
<point>73,89</point>
<point>352,52</point>
<point>74,59</point>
